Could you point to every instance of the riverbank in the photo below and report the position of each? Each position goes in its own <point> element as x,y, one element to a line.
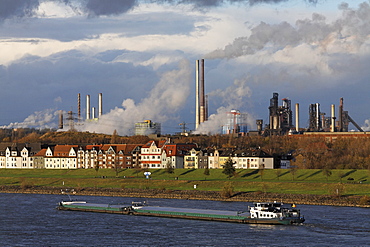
<point>348,201</point>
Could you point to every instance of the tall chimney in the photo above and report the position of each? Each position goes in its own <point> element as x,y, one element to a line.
<point>206,108</point>
<point>100,105</point>
<point>88,106</point>
<point>297,117</point>
<point>196,94</point>
<point>201,92</point>
<point>340,117</point>
<point>318,120</point>
<point>259,123</point>
<point>60,125</point>
<point>92,112</point>
<point>332,127</point>
<point>79,106</point>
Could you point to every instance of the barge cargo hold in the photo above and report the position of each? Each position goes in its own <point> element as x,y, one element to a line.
<point>272,216</point>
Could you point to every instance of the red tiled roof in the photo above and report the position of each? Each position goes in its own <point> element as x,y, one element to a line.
<point>41,153</point>
<point>63,150</point>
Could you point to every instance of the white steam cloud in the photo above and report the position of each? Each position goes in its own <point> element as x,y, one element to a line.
<point>348,34</point>
<point>44,119</point>
<point>165,99</point>
<point>233,97</point>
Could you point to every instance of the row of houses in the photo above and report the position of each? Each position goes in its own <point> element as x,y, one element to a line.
<point>153,155</point>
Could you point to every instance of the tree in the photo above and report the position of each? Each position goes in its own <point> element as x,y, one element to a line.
<point>206,172</point>
<point>96,168</point>
<point>227,190</point>
<point>169,168</point>
<point>137,170</point>
<point>113,140</point>
<point>278,173</point>
<point>229,168</point>
<point>293,171</point>
<point>327,173</point>
<point>261,171</point>
<point>117,170</point>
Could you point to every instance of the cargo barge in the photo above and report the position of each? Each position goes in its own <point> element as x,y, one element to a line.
<point>260,213</point>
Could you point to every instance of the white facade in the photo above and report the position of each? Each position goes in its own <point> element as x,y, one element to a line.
<point>242,160</point>
<point>151,156</point>
<point>61,162</point>
<point>16,159</point>
<point>27,161</point>
<point>87,158</point>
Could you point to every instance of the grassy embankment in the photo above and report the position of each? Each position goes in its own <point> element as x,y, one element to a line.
<point>314,182</point>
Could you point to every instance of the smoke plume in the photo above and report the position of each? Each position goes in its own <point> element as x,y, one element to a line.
<point>349,32</point>
<point>164,100</point>
<point>234,97</point>
<point>45,119</point>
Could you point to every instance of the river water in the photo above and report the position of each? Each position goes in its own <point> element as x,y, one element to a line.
<point>32,220</point>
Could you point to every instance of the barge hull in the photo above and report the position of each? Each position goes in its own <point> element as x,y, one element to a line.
<point>181,213</point>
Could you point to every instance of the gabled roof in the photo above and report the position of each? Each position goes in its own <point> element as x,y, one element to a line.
<point>41,153</point>
<point>125,148</point>
<point>158,144</point>
<point>96,147</point>
<point>63,150</point>
<point>178,149</point>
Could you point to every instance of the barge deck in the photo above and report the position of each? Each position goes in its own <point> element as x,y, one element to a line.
<point>172,212</point>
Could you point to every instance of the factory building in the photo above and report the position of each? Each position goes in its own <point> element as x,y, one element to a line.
<point>318,121</point>
<point>280,117</point>
<point>236,123</point>
<point>147,127</point>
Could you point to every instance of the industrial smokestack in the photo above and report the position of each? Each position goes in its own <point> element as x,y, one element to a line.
<point>196,94</point>
<point>297,117</point>
<point>60,125</point>
<point>259,123</point>
<point>332,127</point>
<point>100,105</point>
<point>318,120</point>
<point>202,110</point>
<point>93,113</point>
<point>88,106</point>
<point>79,106</point>
<point>206,109</point>
<point>340,117</point>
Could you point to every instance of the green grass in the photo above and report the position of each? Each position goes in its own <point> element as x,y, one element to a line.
<point>304,181</point>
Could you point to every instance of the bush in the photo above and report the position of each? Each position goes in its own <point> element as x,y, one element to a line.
<point>25,184</point>
<point>227,190</point>
<point>365,200</point>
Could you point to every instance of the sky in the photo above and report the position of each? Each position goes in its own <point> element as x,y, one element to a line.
<point>140,54</point>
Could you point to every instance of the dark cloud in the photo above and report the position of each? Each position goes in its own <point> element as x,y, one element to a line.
<point>213,3</point>
<point>17,8</point>
<point>109,7</point>
<point>22,8</point>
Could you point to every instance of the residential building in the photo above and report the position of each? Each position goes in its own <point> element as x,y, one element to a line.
<point>151,154</point>
<point>119,155</point>
<point>18,155</point>
<point>174,153</point>
<point>196,159</point>
<point>243,159</point>
<point>61,157</point>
